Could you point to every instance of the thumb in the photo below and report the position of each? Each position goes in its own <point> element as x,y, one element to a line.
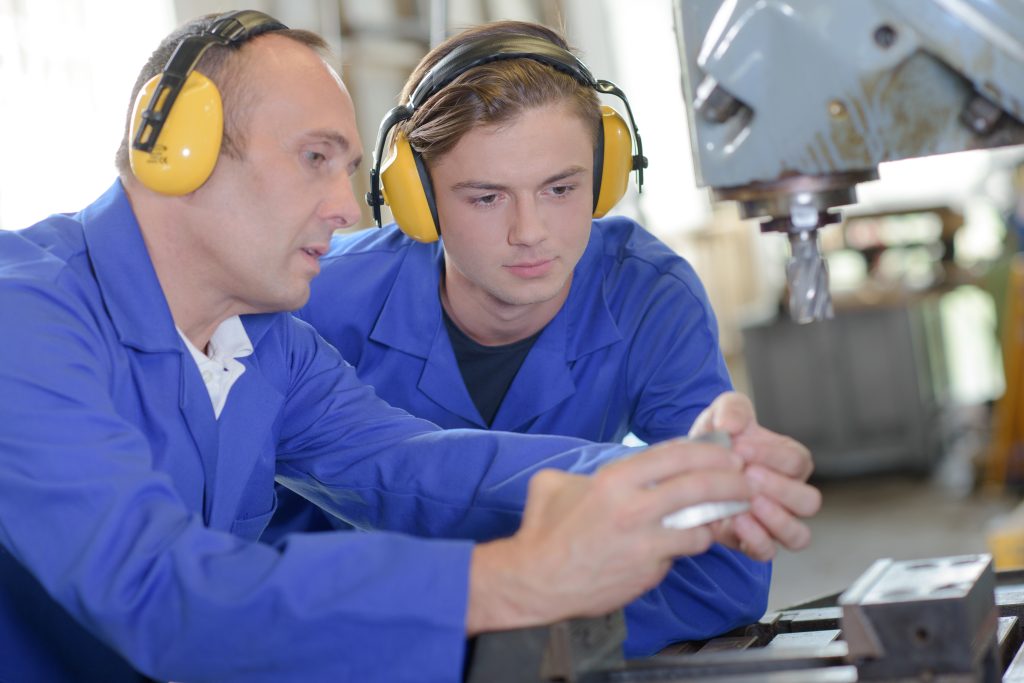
<point>731,412</point>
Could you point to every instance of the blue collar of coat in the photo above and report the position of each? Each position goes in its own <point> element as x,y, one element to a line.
<point>127,280</point>
<point>411,316</point>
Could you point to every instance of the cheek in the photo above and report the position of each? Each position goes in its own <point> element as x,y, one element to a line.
<point>574,227</point>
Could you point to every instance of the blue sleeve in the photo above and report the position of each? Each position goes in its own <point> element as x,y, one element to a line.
<point>377,467</point>
<point>702,597</point>
<point>109,538</point>
<point>675,367</point>
<point>678,369</point>
<point>474,487</point>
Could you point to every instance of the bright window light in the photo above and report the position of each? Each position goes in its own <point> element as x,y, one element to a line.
<point>67,68</point>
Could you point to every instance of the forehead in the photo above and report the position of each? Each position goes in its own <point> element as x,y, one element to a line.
<point>554,128</point>
<point>290,82</point>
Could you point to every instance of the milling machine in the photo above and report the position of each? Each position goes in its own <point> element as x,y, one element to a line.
<point>792,103</point>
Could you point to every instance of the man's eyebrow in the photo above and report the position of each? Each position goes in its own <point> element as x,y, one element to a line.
<point>567,173</point>
<point>477,185</point>
<point>333,137</point>
<point>340,141</point>
<point>481,185</point>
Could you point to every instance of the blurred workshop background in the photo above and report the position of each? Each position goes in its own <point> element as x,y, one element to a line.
<point>909,399</point>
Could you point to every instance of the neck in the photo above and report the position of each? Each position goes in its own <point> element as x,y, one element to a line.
<point>492,322</point>
<point>191,294</point>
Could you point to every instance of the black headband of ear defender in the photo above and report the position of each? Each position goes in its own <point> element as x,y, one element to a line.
<point>483,51</point>
<point>229,29</point>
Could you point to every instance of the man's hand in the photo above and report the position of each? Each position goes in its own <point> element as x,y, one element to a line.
<point>777,468</point>
<point>590,544</point>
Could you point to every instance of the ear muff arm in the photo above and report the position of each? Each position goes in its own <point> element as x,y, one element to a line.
<point>375,198</point>
<point>639,160</point>
<point>175,73</point>
<point>231,28</point>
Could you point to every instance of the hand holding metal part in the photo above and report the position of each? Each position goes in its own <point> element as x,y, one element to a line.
<point>776,467</point>
<point>705,513</point>
<point>588,544</point>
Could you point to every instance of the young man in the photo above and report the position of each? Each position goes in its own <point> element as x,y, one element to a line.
<point>530,316</point>
<point>152,391</point>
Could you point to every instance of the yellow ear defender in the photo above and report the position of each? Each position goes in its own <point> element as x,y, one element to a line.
<point>186,152</point>
<point>616,161</point>
<point>402,181</point>
<point>178,120</point>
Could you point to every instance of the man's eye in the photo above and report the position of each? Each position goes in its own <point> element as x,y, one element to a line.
<point>315,158</point>
<point>485,200</point>
<point>562,190</point>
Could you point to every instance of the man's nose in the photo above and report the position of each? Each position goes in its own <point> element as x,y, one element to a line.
<point>527,224</point>
<point>342,207</point>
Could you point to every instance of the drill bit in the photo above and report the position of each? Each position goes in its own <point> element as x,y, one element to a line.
<point>807,276</point>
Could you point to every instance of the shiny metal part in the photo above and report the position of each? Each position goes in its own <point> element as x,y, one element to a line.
<point>924,619</point>
<point>705,513</point>
<point>807,277</point>
<point>939,620</point>
<point>981,115</point>
<point>799,206</point>
<point>566,651</point>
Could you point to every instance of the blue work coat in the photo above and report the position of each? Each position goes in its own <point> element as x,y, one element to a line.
<point>634,349</point>
<point>129,515</point>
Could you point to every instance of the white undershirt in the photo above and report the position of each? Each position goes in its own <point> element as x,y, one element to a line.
<point>219,369</point>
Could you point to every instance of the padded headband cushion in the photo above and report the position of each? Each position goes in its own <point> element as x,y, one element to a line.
<point>493,49</point>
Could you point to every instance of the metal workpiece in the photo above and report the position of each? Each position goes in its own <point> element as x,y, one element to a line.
<point>924,618</point>
<point>566,651</point>
<point>948,620</point>
<point>704,513</point>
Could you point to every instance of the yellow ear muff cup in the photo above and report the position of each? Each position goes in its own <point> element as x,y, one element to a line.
<point>403,191</point>
<point>187,148</point>
<point>617,163</point>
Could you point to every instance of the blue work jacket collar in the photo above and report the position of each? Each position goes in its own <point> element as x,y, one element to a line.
<point>138,310</point>
<point>411,322</point>
<point>128,281</point>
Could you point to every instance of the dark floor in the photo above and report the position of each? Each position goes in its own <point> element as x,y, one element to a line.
<point>865,519</point>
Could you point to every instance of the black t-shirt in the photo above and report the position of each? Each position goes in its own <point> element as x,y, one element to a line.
<point>488,371</point>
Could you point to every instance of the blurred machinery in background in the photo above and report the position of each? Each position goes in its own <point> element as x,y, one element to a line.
<point>792,103</point>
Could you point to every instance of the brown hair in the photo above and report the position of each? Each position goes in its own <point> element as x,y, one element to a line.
<point>492,93</point>
<point>220,64</point>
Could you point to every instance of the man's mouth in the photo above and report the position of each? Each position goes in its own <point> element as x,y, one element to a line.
<point>531,269</point>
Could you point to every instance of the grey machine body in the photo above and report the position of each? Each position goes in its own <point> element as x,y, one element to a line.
<point>791,103</point>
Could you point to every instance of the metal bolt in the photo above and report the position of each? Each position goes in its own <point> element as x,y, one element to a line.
<point>836,108</point>
<point>981,115</point>
<point>885,36</point>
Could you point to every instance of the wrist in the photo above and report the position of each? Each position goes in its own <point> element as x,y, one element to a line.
<point>500,593</point>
